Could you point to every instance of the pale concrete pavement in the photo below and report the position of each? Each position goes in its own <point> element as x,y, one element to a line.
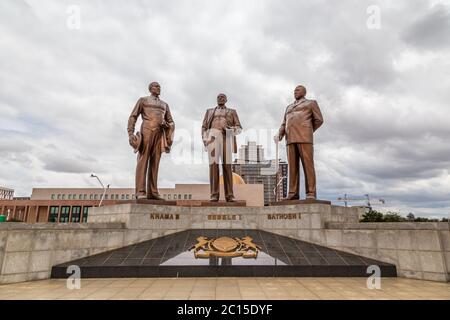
<point>228,288</point>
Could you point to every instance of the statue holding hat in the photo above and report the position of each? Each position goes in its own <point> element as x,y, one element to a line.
<point>154,138</point>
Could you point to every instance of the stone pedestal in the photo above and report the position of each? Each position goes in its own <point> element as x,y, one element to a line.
<point>153,201</point>
<point>181,203</point>
<point>237,203</point>
<point>304,201</point>
<point>290,219</point>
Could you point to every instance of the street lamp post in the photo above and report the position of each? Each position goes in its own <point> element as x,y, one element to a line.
<point>275,190</point>
<point>103,186</point>
<point>277,168</point>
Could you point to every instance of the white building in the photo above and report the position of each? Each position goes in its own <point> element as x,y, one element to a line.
<point>251,153</point>
<point>6,193</point>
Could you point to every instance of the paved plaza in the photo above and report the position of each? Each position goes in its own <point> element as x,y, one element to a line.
<point>228,288</point>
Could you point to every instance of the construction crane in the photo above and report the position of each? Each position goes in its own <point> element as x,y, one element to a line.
<point>366,198</point>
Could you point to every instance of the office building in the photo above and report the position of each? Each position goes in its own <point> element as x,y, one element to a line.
<point>254,169</point>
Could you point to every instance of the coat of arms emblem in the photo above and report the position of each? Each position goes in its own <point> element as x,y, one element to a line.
<point>225,247</point>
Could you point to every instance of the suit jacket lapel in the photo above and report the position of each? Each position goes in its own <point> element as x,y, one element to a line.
<point>211,117</point>
<point>228,111</point>
<point>298,103</point>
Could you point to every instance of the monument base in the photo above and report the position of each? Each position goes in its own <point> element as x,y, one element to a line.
<point>189,203</point>
<point>304,201</point>
<point>237,203</point>
<point>153,201</point>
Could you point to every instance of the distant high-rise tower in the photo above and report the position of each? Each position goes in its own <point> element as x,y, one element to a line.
<point>254,169</point>
<point>251,153</point>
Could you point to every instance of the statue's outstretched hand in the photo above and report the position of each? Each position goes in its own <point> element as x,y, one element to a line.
<point>234,130</point>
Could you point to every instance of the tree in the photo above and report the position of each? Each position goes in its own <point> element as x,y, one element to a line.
<point>372,216</point>
<point>393,217</point>
<point>375,216</point>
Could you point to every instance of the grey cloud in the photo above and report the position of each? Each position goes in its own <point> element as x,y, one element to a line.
<point>432,31</point>
<point>66,165</point>
<point>14,147</point>
<point>69,93</point>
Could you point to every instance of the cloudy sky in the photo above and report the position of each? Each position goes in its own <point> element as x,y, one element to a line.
<point>71,72</point>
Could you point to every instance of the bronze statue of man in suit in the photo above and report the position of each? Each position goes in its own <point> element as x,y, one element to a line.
<point>301,119</point>
<point>155,137</point>
<point>219,129</point>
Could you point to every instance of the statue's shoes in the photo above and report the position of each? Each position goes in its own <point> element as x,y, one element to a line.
<point>214,200</point>
<point>155,197</point>
<point>230,199</point>
<point>291,198</point>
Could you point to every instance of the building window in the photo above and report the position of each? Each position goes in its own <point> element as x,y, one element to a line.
<point>53,197</point>
<point>63,196</point>
<point>91,196</point>
<point>128,196</point>
<point>64,216</point>
<point>85,197</point>
<point>185,196</point>
<point>123,197</point>
<point>59,197</point>
<point>80,196</point>
<point>70,196</point>
<point>190,196</point>
<point>76,214</point>
<point>95,196</point>
<point>85,213</point>
<point>117,197</point>
<point>53,217</point>
<point>169,196</point>
<point>179,196</point>
<point>106,197</point>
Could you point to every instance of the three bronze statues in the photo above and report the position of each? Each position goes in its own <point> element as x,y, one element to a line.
<point>219,129</point>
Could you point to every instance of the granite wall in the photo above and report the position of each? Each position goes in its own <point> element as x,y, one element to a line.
<point>28,251</point>
<point>419,250</point>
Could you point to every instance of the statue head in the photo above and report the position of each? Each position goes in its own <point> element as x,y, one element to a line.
<point>154,88</point>
<point>299,92</point>
<point>221,99</point>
